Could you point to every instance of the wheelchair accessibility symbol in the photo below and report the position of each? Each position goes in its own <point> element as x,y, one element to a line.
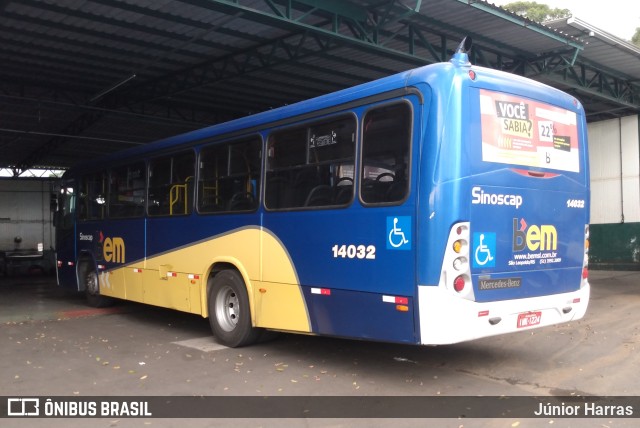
<point>484,250</point>
<point>398,233</point>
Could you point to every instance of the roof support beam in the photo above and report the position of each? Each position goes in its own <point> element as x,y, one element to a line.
<point>586,78</point>
<point>345,23</point>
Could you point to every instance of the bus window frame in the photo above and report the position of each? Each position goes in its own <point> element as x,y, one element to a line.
<point>322,117</point>
<point>410,166</point>
<point>145,162</point>
<point>171,154</point>
<point>236,139</point>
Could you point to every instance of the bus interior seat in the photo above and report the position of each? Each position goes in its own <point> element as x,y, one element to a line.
<point>319,196</point>
<point>343,194</point>
<point>278,193</point>
<point>304,183</point>
<point>396,191</point>
<point>241,201</point>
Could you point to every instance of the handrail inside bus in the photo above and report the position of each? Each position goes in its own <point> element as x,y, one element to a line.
<point>179,192</point>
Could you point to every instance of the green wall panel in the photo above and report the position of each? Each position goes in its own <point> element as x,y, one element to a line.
<point>614,246</point>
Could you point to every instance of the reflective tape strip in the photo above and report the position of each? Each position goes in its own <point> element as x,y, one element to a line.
<point>396,299</point>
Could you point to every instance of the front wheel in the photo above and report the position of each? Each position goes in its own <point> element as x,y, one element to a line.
<point>229,312</point>
<point>92,288</point>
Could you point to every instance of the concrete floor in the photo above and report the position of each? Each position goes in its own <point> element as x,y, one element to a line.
<point>52,344</point>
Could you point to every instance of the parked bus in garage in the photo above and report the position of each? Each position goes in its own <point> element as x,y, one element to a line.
<point>439,205</point>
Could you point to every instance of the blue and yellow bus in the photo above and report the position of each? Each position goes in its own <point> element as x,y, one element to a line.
<point>438,205</point>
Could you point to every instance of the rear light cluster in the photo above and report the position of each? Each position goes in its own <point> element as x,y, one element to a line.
<point>455,270</point>
<point>585,263</point>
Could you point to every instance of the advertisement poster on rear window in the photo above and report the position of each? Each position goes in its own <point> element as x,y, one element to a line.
<point>520,131</point>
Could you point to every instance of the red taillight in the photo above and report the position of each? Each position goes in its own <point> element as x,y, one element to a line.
<point>585,273</point>
<point>456,271</point>
<point>458,284</point>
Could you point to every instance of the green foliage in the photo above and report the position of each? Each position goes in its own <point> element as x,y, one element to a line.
<point>536,11</point>
<point>636,37</point>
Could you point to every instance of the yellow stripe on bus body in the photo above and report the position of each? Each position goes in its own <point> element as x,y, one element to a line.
<point>273,288</point>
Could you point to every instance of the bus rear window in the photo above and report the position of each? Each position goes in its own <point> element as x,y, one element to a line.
<point>520,131</point>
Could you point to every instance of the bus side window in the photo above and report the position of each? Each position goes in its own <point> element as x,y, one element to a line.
<point>127,191</point>
<point>171,184</point>
<point>229,179</point>
<point>386,146</point>
<point>311,166</point>
<point>92,196</point>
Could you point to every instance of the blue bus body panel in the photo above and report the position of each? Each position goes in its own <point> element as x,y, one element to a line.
<point>552,202</point>
<point>538,247</point>
<point>132,231</point>
<point>66,256</point>
<point>356,285</point>
<point>165,234</point>
<point>362,315</point>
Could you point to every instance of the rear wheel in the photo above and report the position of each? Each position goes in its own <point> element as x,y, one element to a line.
<point>229,312</point>
<point>92,287</point>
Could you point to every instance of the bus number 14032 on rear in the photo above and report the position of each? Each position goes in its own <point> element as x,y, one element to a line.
<point>362,252</point>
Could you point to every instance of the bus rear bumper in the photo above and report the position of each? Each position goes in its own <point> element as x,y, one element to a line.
<point>446,318</point>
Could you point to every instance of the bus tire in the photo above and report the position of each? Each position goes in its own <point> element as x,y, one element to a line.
<point>229,311</point>
<point>92,288</point>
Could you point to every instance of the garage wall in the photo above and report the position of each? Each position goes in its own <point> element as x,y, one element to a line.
<point>614,149</point>
<point>25,212</point>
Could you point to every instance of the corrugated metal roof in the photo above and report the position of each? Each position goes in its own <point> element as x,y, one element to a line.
<point>610,70</point>
<point>82,78</point>
<point>602,48</point>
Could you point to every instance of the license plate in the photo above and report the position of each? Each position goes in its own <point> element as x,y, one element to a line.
<point>529,319</point>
